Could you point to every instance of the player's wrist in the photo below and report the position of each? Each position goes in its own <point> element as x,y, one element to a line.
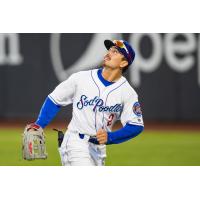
<point>109,138</point>
<point>33,126</point>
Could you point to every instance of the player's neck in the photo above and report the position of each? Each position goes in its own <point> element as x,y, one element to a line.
<point>111,75</point>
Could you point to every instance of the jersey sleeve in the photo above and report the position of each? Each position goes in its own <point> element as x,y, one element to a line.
<point>63,94</point>
<point>132,113</point>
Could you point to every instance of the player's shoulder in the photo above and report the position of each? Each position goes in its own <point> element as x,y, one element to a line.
<point>81,74</point>
<point>128,90</point>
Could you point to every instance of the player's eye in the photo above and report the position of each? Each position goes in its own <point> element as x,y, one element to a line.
<point>114,50</point>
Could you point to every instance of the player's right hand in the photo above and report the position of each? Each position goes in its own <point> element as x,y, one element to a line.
<point>102,136</point>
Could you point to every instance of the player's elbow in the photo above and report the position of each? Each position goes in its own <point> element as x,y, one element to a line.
<point>134,130</point>
<point>140,129</point>
<point>137,130</point>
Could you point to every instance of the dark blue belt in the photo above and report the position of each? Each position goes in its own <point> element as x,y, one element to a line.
<point>91,139</point>
<point>81,135</point>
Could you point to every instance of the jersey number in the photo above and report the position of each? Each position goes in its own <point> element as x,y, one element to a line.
<point>110,119</point>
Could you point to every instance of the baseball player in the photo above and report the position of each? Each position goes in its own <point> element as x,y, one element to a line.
<point>100,97</point>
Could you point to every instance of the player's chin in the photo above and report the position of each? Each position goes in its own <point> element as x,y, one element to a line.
<point>107,64</point>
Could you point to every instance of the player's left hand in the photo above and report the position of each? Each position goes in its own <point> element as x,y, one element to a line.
<point>102,136</point>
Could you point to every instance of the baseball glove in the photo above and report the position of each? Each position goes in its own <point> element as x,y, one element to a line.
<point>33,143</point>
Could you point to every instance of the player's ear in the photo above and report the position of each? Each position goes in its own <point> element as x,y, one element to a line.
<point>123,63</point>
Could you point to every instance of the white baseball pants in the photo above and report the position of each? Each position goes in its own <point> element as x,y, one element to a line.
<point>75,151</point>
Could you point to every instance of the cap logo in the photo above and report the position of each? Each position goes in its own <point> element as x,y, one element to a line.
<point>120,44</point>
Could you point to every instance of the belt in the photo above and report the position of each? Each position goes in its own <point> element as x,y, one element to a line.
<point>91,139</point>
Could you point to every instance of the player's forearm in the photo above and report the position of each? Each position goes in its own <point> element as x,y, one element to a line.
<point>126,133</point>
<point>47,113</point>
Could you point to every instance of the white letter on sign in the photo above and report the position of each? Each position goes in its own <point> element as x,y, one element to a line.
<point>145,64</point>
<point>181,47</point>
<point>13,57</point>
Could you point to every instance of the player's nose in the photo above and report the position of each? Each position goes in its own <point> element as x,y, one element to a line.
<point>110,53</point>
<point>107,55</point>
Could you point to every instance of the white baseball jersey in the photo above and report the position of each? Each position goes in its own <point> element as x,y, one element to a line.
<point>96,106</point>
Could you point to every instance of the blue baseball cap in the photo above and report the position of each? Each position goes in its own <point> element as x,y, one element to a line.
<point>123,47</point>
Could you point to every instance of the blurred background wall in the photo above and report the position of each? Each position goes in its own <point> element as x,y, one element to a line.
<point>165,73</point>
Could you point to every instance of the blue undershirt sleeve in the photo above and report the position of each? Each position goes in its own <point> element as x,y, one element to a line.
<point>128,132</point>
<point>47,113</point>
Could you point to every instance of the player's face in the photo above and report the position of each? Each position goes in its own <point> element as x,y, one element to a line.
<point>113,58</point>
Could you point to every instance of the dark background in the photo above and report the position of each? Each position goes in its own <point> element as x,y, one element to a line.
<point>165,94</point>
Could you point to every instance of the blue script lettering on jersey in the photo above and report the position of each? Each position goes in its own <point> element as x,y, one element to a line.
<point>98,104</point>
